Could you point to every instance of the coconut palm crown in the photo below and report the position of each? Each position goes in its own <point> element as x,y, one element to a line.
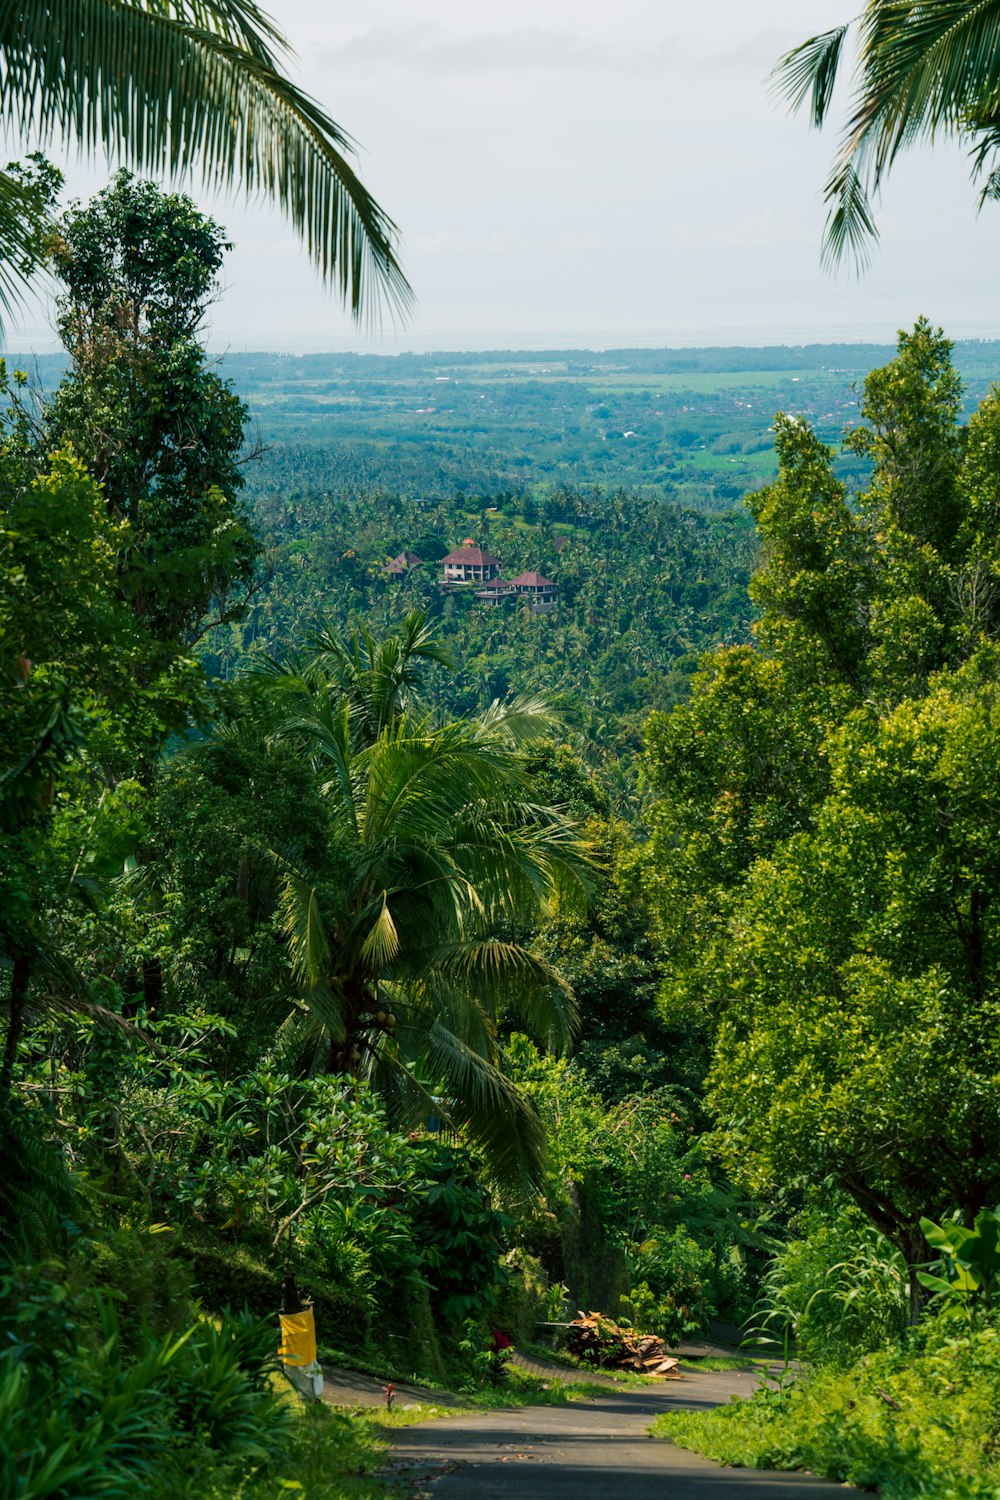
<point>920,70</point>
<point>410,955</point>
<point>175,86</point>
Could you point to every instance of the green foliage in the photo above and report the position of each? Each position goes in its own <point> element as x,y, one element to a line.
<point>671,1291</point>
<point>138,266</point>
<point>458,1234</point>
<point>79,1415</point>
<point>821,860</point>
<point>405,954</point>
<point>526,1298</point>
<point>39,1199</point>
<point>833,1290</point>
<point>917,1422</point>
<point>630,1198</point>
<point>195,85</point>
<point>859,979</point>
<point>971,1257</point>
<point>915,76</point>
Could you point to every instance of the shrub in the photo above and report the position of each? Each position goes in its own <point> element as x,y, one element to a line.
<point>838,1290</point>
<point>919,1421</point>
<point>671,1291</point>
<point>85,1412</point>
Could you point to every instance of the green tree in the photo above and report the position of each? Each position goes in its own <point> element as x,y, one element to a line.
<point>860,978</point>
<point>921,71</point>
<point>67,648</point>
<point>159,430</point>
<point>189,84</point>
<point>820,861</point>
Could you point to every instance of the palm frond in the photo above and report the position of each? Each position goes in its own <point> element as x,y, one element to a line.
<point>810,71</point>
<point>303,1043</point>
<point>325,1006</point>
<point>381,941</point>
<point>416,784</point>
<point>922,69</point>
<point>519,855</point>
<point>517,722</point>
<point>490,1111</point>
<point>177,86</point>
<point>24,230</point>
<point>379,678</point>
<point>433,994</point>
<point>850,227</point>
<point>303,924</point>
<point>503,977</point>
<point>38,1196</point>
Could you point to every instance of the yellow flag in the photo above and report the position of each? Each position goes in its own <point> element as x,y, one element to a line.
<point>298,1338</point>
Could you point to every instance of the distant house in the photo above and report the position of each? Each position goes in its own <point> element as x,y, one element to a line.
<point>541,591</point>
<point>397,566</point>
<point>469,564</point>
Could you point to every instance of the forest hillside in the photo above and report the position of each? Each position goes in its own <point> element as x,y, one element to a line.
<point>607,923</point>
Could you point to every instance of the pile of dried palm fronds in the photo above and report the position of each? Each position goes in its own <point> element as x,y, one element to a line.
<point>600,1341</point>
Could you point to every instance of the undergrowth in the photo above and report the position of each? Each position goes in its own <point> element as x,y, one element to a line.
<point>918,1422</point>
<point>329,1455</point>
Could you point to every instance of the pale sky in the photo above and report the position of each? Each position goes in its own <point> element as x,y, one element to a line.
<point>594,175</point>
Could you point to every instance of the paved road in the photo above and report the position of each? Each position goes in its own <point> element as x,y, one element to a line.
<point>591,1450</point>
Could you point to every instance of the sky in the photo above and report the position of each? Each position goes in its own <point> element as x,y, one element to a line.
<point>584,175</point>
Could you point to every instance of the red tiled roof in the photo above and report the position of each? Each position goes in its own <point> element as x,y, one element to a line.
<point>473,556</point>
<point>532,581</point>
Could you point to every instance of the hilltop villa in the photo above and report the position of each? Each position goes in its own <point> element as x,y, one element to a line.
<point>542,592</point>
<point>469,564</point>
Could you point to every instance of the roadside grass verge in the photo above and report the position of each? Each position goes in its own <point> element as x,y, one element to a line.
<point>912,1423</point>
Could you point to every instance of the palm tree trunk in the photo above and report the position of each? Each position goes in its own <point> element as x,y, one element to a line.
<point>18,1003</point>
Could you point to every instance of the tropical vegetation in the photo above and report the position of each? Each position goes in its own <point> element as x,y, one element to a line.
<point>346,954</point>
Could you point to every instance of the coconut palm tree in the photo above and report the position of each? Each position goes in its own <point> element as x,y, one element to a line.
<point>921,70</point>
<point>408,956</point>
<point>187,85</point>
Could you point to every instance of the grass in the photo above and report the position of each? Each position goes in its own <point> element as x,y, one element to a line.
<point>519,1388</point>
<point>723,1362</point>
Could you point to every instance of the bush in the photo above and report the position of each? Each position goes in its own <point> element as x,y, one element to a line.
<point>144,1273</point>
<point>86,1412</point>
<point>527,1298</point>
<point>919,1421</point>
<point>671,1291</point>
<point>838,1290</point>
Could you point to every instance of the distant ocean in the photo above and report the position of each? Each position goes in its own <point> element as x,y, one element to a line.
<point>40,340</point>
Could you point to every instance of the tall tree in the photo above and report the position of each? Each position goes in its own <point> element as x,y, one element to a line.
<point>821,863</point>
<point>406,951</point>
<point>188,85</point>
<point>923,69</point>
<point>159,429</point>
